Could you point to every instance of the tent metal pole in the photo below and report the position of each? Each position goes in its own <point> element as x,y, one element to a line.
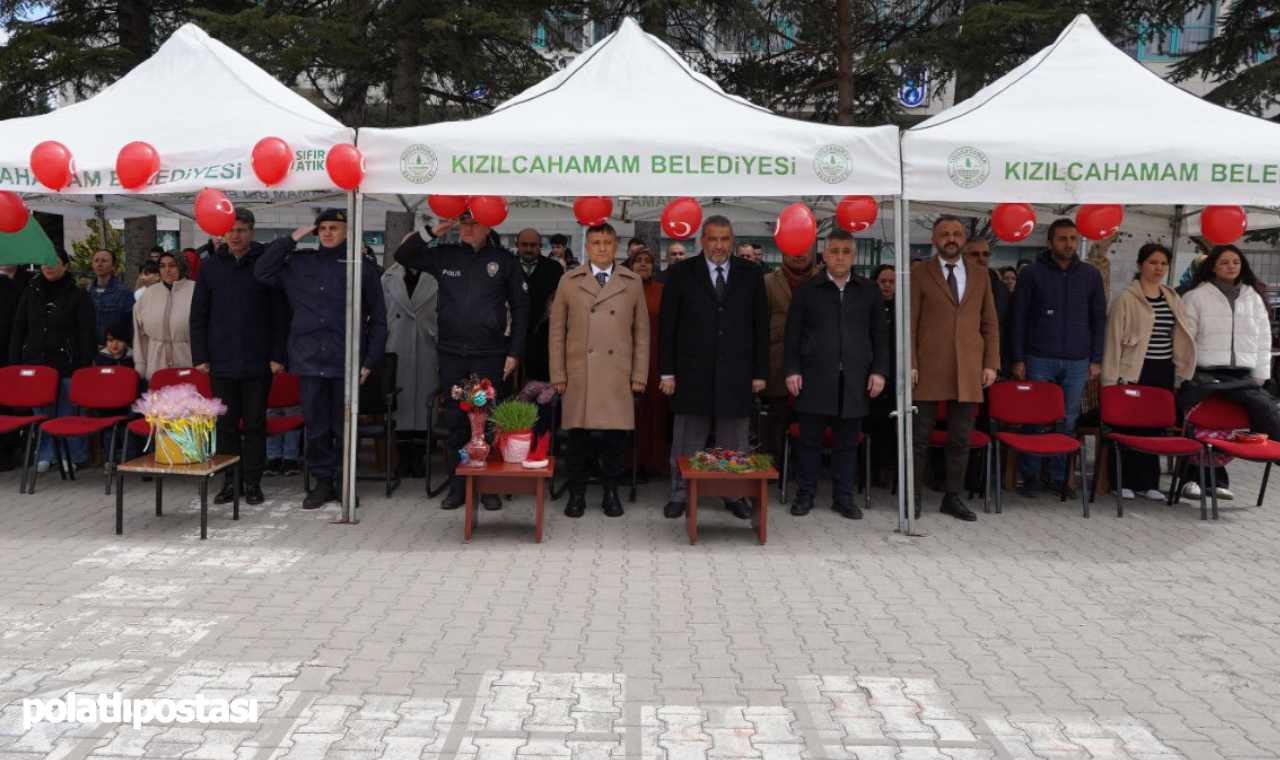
<point>1176,225</point>
<point>100,211</point>
<point>351,378</point>
<point>906,411</point>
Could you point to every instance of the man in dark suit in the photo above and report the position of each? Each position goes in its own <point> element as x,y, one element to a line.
<point>541,277</point>
<point>837,357</point>
<point>713,351</point>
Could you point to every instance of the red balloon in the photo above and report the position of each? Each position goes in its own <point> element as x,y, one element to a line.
<point>345,165</point>
<point>796,230</point>
<point>592,209</point>
<point>53,165</point>
<point>681,218</point>
<point>137,164</point>
<point>1013,221</point>
<point>272,159</point>
<point>214,212</point>
<point>1223,224</point>
<point>448,206</point>
<point>13,212</point>
<point>1097,221</point>
<point>857,212</point>
<point>489,210</point>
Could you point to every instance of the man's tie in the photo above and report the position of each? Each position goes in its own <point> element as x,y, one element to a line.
<point>951,283</point>
<point>720,288</point>
<point>602,278</point>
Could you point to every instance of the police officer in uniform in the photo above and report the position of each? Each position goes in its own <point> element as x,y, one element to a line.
<point>481,286</point>
<point>315,281</point>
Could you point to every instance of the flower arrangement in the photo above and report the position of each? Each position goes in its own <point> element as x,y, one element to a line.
<point>182,423</point>
<point>513,422</point>
<point>474,395</point>
<point>730,460</point>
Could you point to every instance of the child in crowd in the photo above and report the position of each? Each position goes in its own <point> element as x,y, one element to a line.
<point>117,353</point>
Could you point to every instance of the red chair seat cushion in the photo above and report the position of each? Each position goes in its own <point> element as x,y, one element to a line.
<point>285,424</point>
<point>1044,444</point>
<point>1169,446</point>
<point>1267,451</point>
<point>977,439</point>
<point>73,427</point>
<point>827,436</point>
<point>10,423</point>
<point>140,427</point>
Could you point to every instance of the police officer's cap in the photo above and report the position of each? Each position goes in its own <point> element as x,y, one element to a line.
<point>332,215</point>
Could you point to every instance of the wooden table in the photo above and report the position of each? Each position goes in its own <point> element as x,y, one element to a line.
<point>147,465</point>
<point>499,477</point>
<point>732,485</point>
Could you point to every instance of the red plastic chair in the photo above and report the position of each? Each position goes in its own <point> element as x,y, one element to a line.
<point>24,388</point>
<point>173,376</point>
<point>286,392</point>
<point>978,440</point>
<point>92,388</point>
<point>1021,402</point>
<point>1217,413</point>
<point>1141,406</point>
<point>828,438</point>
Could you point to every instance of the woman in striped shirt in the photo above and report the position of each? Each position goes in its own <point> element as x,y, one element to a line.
<point>1148,343</point>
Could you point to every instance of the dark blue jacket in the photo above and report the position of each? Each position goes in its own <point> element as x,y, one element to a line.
<point>238,325</point>
<point>315,281</point>
<point>477,288</point>
<point>1058,313</point>
<point>113,303</point>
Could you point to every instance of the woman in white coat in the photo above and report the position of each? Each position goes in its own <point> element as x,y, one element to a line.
<point>411,333</point>
<point>161,320</point>
<point>1226,313</point>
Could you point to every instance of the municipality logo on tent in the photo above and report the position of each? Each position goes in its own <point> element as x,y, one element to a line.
<point>968,167</point>
<point>418,164</point>
<point>833,164</point>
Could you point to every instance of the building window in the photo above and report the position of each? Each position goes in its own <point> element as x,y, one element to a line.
<point>1198,28</point>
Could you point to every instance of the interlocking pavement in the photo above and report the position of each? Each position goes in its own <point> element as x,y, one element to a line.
<point>1031,634</point>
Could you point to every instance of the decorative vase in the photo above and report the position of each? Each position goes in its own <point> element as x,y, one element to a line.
<point>169,451</point>
<point>515,446</point>
<point>477,448</point>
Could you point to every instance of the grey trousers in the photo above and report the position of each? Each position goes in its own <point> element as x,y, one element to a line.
<point>956,453</point>
<point>690,435</point>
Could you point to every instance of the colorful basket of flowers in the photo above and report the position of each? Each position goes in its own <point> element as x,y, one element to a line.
<point>730,460</point>
<point>182,423</point>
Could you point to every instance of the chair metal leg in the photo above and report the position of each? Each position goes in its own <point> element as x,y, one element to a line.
<point>1263,491</point>
<point>1119,484</point>
<point>1204,514</point>
<point>986,479</point>
<point>1097,468</point>
<point>866,468</point>
<point>1084,497</point>
<point>786,457</point>
<point>635,465</point>
<point>35,456</point>
<point>1213,479</point>
<point>111,458</point>
<point>63,453</point>
<point>999,483</point>
<point>27,464</point>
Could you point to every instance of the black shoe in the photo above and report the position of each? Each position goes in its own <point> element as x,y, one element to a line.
<point>273,467</point>
<point>227,494</point>
<point>1029,489</point>
<point>577,506</point>
<point>456,497</point>
<point>491,502</point>
<point>952,505</point>
<point>322,494</point>
<point>847,509</point>
<point>739,508</point>
<point>802,505</point>
<point>289,468</point>
<point>612,504</point>
<point>253,495</point>
<point>673,510</point>
<point>1058,486</point>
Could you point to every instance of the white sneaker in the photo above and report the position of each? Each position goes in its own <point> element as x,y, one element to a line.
<point>1225,495</point>
<point>1191,490</point>
<point>1125,493</point>
<point>43,466</point>
<point>1153,495</point>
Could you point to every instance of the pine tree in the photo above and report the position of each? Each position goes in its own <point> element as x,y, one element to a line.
<point>1241,58</point>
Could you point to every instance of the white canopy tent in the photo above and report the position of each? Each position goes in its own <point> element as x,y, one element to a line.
<point>1130,138</point>
<point>630,117</point>
<point>203,107</point>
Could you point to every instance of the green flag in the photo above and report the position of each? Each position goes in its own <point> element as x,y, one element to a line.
<point>28,246</point>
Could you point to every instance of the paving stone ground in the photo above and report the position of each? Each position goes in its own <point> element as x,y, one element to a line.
<point>1031,634</point>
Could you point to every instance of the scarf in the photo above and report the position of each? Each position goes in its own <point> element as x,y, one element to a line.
<point>795,278</point>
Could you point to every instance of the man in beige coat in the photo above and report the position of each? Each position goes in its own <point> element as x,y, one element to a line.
<point>599,357</point>
<point>955,352</point>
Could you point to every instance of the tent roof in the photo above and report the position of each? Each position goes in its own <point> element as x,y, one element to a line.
<point>201,104</point>
<point>1082,121</point>
<point>630,117</point>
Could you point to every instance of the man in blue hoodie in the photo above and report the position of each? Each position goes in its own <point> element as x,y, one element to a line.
<point>1056,328</point>
<point>111,299</point>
